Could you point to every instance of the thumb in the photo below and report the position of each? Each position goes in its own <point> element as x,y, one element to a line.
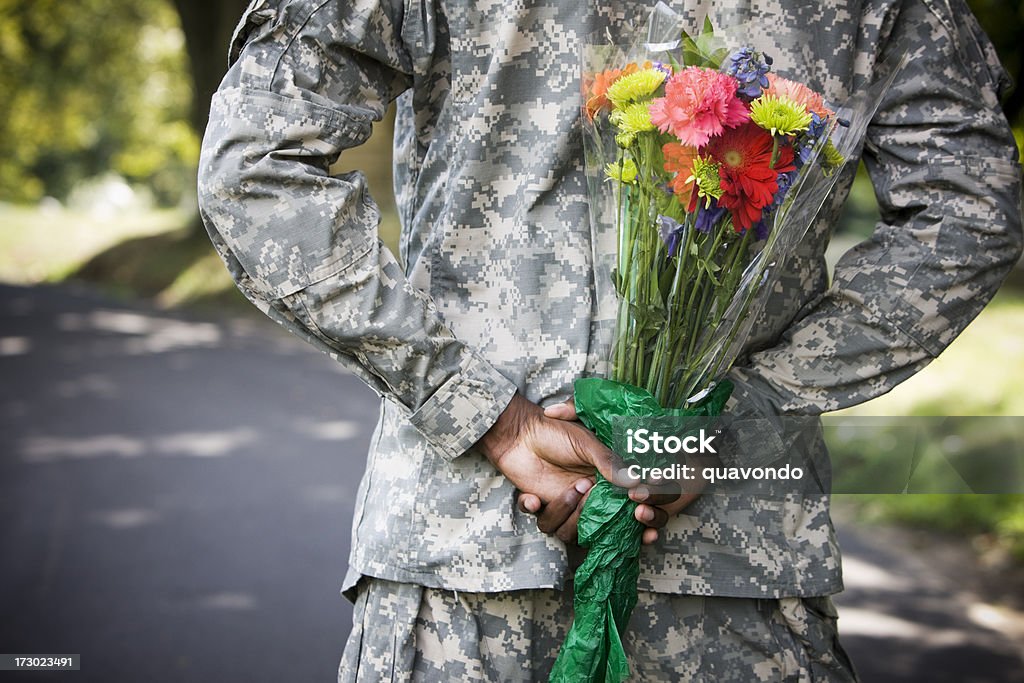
<point>604,459</point>
<point>562,411</point>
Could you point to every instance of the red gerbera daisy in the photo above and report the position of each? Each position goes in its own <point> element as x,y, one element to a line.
<point>749,182</point>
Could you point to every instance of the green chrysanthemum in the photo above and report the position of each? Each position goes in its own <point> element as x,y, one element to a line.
<point>779,115</point>
<point>625,140</point>
<point>706,179</point>
<point>633,118</point>
<point>635,86</point>
<point>832,158</point>
<point>624,171</point>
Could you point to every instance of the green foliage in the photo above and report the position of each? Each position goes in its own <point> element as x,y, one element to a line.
<point>705,49</point>
<point>999,519</point>
<point>92,86</point>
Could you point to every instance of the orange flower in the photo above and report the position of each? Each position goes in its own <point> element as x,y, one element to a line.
<point>597,87</point>
<point>679,160</point>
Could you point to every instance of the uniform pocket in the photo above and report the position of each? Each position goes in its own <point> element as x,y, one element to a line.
<point>812,623</point>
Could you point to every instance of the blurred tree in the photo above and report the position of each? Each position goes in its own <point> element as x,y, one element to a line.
<point>1003,21</point>
<point>91,86</point>
<point>207,25</point>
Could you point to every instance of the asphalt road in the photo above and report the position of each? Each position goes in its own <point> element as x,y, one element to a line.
<point>176,497</point>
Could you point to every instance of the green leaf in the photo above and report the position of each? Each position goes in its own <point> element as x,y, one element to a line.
<point>617,282</point>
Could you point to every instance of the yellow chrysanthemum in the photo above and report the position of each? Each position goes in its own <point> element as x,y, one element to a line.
<point>635,86</point>
<point>705,177</point>
<point>633,118</point>
<point>624,171</point>
<point>779,115</point>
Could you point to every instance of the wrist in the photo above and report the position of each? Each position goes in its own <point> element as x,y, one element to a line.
<point>510,428</point>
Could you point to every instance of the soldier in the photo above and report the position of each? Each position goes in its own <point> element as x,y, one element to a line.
<point>490,312</point>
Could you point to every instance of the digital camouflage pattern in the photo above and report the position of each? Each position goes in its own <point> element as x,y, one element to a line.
<point>405,632</point>
<point>494,290</point>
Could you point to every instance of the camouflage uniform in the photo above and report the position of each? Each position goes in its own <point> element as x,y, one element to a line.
<point>408,632</point>
<point>493,289</point>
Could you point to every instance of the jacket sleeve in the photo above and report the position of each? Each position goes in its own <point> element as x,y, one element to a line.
<point>306,82</point>
<point>944,166</point>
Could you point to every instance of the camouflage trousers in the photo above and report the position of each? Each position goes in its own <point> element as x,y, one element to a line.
<point>406,632</point>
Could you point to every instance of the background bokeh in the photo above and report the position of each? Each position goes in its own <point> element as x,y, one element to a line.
<point>102,104</point>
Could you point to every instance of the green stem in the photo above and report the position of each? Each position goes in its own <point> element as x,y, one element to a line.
<point>739,252</point>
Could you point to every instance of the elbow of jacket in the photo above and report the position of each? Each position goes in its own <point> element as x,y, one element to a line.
<point>1014,241</point>
<point>1010,254</point>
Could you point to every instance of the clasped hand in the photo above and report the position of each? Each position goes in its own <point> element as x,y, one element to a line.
<point>550,457</point>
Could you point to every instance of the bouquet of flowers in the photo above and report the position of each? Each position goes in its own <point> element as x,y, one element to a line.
<point>707,167</point>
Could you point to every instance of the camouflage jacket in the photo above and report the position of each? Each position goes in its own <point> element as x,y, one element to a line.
<point>493,288</point>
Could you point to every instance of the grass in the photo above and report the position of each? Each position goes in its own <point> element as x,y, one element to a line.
<point>162,255</point>
<point>47,245</point>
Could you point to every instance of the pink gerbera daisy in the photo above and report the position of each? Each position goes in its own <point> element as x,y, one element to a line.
<point>698,104</point>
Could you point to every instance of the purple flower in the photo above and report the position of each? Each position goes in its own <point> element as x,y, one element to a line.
<point>708,217</point>
<point>761,230</point>
<point>751,69</point>
<point>808,139</point>
<point>671,232</point>
<point>762,227</point>
<point>662,67</point>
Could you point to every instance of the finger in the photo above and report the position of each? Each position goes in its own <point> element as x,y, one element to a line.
<point>656,494</point>
<point>558,511</point>
<point>649,536</point>
<point>569,531</point>
<point>590,449</point>
<point>562,411</point>
<point>650,516</point>
<point>530,503</point>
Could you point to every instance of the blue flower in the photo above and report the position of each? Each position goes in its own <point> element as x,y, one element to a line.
<point>663,68</point>
<point>671,232</point>
<point>708,217</point>
<point>762,227</point>
<point>807,140</point>
<point>751,69</point>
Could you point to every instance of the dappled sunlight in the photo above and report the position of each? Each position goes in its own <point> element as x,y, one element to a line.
<point>858,573</point>
<point>125,518</point>
<point>339,430</point>
<point>194,444</point>
<point>51,448</point>
<point>869,623</point>
<point>146,333</point>
<point>15,346</point>
<point>204,444</point>
<point>227,601</point>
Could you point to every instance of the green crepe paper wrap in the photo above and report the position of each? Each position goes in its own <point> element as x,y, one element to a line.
<point>605,584</point>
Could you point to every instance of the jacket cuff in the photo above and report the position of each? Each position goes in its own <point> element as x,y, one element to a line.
<point>455,417</point>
